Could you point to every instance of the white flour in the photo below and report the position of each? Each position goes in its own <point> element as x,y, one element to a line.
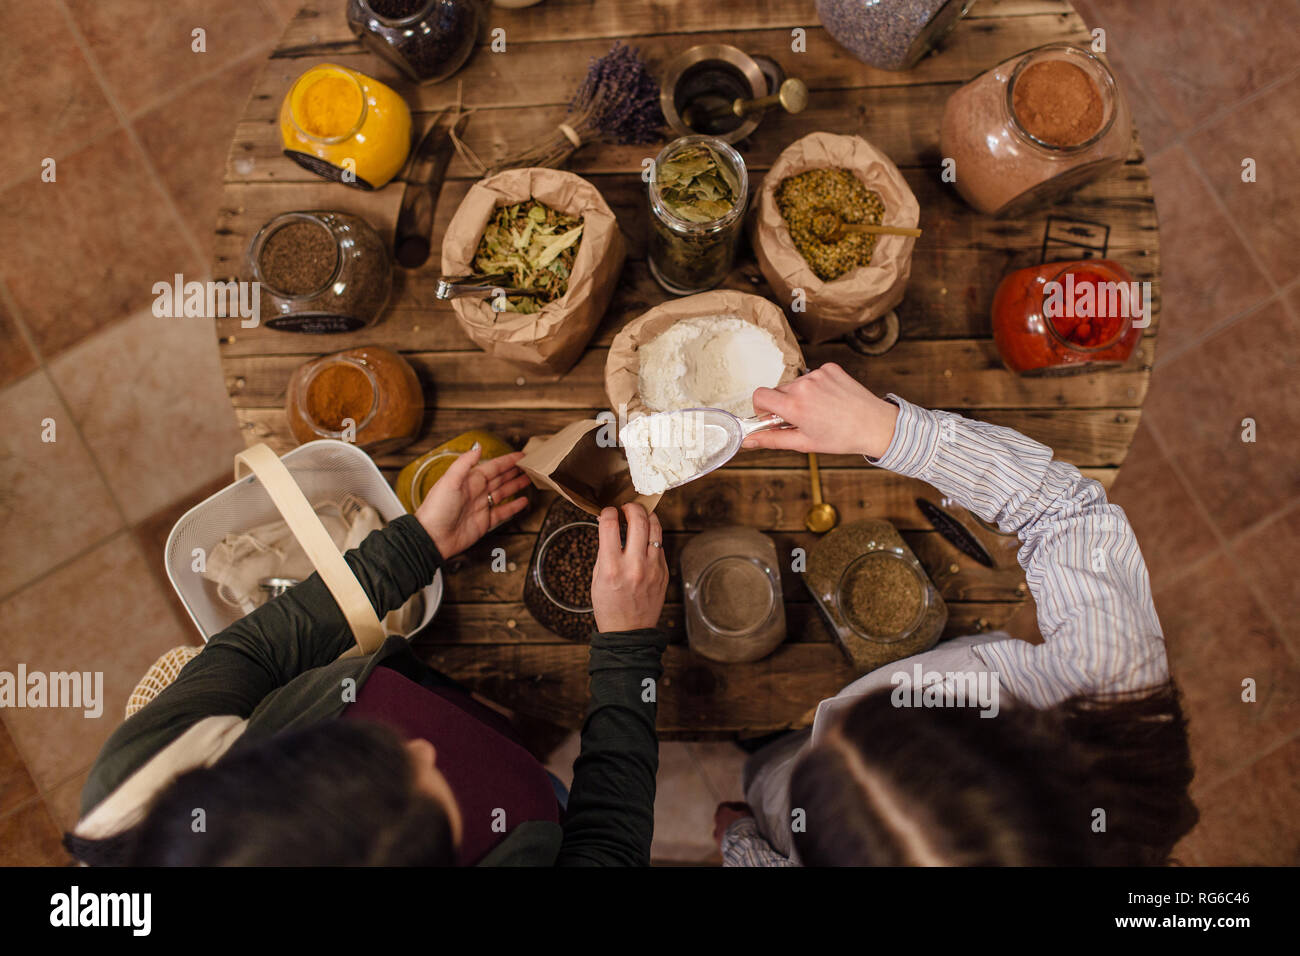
<point>665,450</point>
<point>711,361</point>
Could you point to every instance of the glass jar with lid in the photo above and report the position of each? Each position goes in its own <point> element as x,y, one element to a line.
<point>369,396</point>
<point>1033,128</point>
<point>692,250</point>
<point>428,40</point>
<point>890,34</point>
<point>1068,318</point>
<point>320,272</point>
<point>731,583</point>
<point>874,596</point>
<point>557,587</point>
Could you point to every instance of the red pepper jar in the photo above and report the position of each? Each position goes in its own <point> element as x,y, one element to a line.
<point>1069,318</point>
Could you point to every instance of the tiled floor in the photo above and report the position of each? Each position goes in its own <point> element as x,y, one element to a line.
<point>137,123</point>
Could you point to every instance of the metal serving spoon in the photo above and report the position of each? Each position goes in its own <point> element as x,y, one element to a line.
<point>829,227</point>
<point>720,425</point>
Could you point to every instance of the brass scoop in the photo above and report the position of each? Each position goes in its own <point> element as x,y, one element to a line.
<point>829,227</point>
<point>822,516</point>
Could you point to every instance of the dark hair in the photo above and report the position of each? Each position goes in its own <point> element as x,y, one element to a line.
<point>340,793</point>
<point>901,786</point>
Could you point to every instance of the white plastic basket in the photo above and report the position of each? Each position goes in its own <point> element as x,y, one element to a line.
<point>324,470</point>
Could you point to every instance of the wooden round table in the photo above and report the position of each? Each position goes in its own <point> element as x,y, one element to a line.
<point>945,358</point>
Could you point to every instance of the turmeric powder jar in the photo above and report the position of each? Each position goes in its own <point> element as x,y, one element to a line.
<point>345,126</point>
<point>368,396</point>
<point>415,480</point>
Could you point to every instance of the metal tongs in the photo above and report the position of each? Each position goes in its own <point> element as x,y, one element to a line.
<point>477,284</point>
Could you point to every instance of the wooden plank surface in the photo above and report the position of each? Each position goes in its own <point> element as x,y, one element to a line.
<point>484,635</point>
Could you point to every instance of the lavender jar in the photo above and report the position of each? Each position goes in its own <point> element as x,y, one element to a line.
<point>890,34</point>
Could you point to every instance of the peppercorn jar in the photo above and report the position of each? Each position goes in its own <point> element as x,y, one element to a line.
<point>1034,128</point>
<point>890,34</point>
<point>1069,318</point>
<point>874,596</point>
<point>428,40</point>
<point>320,272</point>
<point>690,255</point>
<point>557,587</point>
<point>731,585</point>
<point>370,397</point>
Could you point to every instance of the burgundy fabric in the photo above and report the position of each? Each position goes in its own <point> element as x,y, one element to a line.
<point>487,770</point>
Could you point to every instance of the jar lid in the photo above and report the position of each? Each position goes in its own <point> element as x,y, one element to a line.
<point>735,595</point>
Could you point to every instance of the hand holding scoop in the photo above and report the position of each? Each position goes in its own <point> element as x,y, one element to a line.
<point>668,449</point>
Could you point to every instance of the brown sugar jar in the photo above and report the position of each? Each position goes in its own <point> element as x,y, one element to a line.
<point>1034,128</point>
<point>368,396</point>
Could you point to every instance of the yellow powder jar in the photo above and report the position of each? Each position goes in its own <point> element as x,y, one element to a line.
<point>345,126</point>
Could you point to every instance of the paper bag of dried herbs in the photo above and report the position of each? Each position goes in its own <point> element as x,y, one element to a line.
<point>858,278</point>
<point>546,230</point>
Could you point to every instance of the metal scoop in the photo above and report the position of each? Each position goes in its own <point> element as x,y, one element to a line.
<point>718,424</point>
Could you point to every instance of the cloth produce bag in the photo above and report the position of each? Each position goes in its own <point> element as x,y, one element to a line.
<point>860,295</point>
<point>551,340</point>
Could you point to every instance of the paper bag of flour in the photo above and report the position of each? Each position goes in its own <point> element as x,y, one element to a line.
<point>860,295</point>
<point>584,465</point>
<point>623,364</point>
<point>551,340</point>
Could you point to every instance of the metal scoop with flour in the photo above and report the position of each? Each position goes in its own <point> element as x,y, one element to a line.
<point>668,449</point>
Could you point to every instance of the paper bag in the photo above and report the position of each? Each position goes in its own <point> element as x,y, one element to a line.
<point>623,364</point>
<point>860,295</point>
<point>585,472</point>
<point>552,340</point>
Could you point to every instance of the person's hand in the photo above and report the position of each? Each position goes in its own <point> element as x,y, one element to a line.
<point>629,583</point>
<point>832,413</point>
<point>468,501</point>
<point>725,816</point>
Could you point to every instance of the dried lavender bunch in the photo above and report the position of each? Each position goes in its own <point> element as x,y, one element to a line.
<point>618,102</point>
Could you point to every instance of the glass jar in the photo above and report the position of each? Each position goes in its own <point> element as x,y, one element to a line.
<point>1001,167</point>
<point>369,396</point>
<point>320,272</point>
<point>419,476</point>
<point>688,257</point>
<point>890,34</point>
<point>864,579</point>
<point>428,40</point>
<point>566,549</point>
<point>731,582</point>
<point>1068,318</point>
<point>345,126</point>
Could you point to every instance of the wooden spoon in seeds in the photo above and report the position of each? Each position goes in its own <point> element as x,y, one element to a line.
<point>829,227</point>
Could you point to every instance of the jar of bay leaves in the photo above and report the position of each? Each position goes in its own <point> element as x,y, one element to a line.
<point>873,594</point>
<point>698,189</point>
<point>731,583</point>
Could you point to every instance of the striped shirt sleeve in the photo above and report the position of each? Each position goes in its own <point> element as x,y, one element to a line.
<point>1080,556</point>
<point>744,845</point>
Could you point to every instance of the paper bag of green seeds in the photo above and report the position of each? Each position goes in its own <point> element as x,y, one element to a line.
<point>585,465</point>
<point>548,230</point>
<point>851,294</point>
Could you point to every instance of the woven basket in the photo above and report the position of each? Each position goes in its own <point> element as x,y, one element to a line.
<point>162,673</point>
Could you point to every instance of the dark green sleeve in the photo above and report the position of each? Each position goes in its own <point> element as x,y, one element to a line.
<point>301,629</point>
<point>610,820</point>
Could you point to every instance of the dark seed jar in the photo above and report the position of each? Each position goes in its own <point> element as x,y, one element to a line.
<point>428,40</point>
<point>557,589</point>
<point>688,257</point>
<point>319,272</point>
